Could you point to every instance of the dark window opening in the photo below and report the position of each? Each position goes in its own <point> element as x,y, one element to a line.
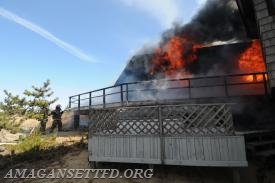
<point>271,6</point>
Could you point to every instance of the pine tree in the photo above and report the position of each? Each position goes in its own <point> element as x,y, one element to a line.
<point>13,105</point>
<point>12,108</point>
<point>39,99</point>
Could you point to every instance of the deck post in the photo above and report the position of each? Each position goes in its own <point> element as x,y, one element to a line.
<point>265,84</point>
<point>77,114</point>
<point>78,102</point>
<point>189,89</point>
<point>127,93</point>
<point>90,99</point>
<point>254,78</point>
<point>104,98</point>
<point>76,119</point>
<point>236,175</point>
<point>162,145</point>
<point>121,95</point>
<point>225,86</point>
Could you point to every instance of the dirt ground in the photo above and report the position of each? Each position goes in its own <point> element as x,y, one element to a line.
<point>76,158</point>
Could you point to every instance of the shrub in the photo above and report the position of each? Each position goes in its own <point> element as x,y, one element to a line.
<point>6,122</point>
<point>33,143</point>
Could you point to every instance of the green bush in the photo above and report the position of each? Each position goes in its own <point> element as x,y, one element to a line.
<point>6,122</point>
<point>33,143</point>
<point>35,147</point>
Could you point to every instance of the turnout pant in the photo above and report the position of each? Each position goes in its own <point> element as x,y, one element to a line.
<point>58,123</point>
<point>42,126</point>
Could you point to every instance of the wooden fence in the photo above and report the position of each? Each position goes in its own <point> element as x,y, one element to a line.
<point>187,134</point>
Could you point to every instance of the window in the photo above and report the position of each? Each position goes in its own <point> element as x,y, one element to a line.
<point>271,6</point>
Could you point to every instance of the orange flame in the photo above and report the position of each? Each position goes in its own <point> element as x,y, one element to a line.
<point>173,57</point>
<point>177,53</point>
<point>251,60</point>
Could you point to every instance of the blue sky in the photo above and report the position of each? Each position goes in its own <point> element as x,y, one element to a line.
<point>79,45</point>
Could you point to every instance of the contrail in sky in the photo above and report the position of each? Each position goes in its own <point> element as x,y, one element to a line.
<point>46,34</point>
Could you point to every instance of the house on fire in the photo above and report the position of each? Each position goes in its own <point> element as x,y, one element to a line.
<point>192,102</point>
<point>259,19</point>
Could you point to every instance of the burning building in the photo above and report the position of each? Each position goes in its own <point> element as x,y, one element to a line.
<point>259,19</point>
<point>215,42</point>
<point>235,58</point>
<point>224,38</point>
<point>186,87</point>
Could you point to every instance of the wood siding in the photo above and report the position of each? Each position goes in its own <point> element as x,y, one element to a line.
<point>223,151</point>
<point>266,25</point>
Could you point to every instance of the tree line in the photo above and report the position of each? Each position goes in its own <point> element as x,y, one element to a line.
<point>28,106</point>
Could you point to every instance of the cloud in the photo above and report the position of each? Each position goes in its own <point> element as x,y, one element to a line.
<point>47,35</point>
<point>165,11</point>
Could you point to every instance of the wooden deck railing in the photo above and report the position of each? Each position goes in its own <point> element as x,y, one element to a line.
<point>173,89</point>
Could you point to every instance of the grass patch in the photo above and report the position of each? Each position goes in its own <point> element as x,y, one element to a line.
<point>32,147</point>
<point>10,127</point>
<point>33,143</point>
<point>37,147</point>
<point>9,123</point>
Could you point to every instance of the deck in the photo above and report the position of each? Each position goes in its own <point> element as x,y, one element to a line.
<point>173,122</point>
<point>173,91</point>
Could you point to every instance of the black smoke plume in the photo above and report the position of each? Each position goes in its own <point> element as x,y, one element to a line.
<point>217,21</point>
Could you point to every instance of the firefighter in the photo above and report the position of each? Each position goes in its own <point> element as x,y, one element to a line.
<point>56,115</point>
<point>44,119</point>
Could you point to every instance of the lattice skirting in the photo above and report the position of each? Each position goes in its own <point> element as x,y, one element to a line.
<point>186,119</point>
